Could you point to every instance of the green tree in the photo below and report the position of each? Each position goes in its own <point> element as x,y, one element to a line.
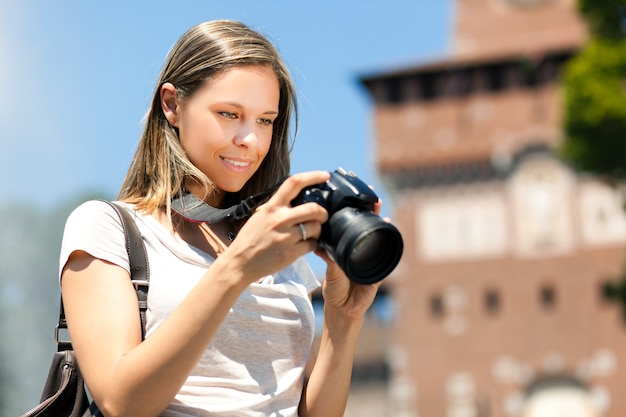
<point>604,17</point>
<point>595,100</point>
<point>594,85</point>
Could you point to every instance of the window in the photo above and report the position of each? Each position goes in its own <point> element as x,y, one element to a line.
<point>436,306</point>
<point>394,91</point>
<point>547,297</point>
<point>610,291</point>
<point>495,77</point>
<point>492,301</point>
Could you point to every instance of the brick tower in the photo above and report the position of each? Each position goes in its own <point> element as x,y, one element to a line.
<point>501,309</point>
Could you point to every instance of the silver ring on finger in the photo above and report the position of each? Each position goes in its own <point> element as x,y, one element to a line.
<point>303,230</point>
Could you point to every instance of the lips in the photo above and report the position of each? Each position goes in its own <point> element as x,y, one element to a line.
<point>237,163</point>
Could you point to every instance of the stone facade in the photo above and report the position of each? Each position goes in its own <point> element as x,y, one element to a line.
<point>500,293</point>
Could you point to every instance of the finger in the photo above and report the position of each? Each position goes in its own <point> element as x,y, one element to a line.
<point>303,232</point>
<point>309,245</point>
<point>377,207</point>
<point>307,230</point>
<point>293,185</point>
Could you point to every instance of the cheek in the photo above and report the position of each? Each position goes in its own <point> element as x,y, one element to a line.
<point>266,145</point>
<point>189,144</point>
<point>199,135</point>
<point>264,148</point>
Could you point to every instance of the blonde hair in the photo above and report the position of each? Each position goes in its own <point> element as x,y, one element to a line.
<point>160,167</point>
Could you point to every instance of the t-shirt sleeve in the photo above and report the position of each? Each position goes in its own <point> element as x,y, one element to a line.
<point>94,227</point>
<point>306,274</point>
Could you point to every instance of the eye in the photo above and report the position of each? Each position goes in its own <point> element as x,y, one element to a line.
<point>265,122</point>
<point>228,115</point>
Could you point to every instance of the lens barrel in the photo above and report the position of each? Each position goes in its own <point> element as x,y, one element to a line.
<point>365,246</point>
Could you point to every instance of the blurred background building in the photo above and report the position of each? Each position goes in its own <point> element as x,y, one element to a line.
<point>500,303</point>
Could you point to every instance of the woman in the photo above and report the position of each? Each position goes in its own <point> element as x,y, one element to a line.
<point>229,322</point>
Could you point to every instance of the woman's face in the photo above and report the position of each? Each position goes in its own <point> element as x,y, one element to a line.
<point>226,126</point>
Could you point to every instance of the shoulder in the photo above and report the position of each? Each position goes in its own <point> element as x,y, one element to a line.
<point>92,213</point>
<point>96,228</point>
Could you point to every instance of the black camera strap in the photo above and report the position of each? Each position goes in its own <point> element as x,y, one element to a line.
<point>192,208</point>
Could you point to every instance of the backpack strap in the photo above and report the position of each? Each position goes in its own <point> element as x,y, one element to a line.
<point>139,273</point>
<point>138,261</point>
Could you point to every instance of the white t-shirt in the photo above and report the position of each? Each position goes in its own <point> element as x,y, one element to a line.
<point>254,365</point>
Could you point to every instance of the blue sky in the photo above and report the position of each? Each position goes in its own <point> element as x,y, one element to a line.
<point>76,79</point>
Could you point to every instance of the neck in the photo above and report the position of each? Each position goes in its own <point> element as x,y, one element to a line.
<point>214,197</point>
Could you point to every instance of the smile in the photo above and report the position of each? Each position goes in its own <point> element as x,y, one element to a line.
<point>236,163</point>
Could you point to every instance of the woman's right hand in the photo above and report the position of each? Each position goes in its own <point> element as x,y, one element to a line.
<point>272,238</point>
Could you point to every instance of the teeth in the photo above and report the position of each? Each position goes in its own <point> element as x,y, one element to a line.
<point>236,163</point>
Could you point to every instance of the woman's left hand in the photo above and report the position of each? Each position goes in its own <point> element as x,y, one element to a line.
<point>343,295</point>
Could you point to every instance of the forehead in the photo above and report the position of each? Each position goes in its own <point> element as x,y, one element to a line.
<point>259,80</point>
<point>253,88</point>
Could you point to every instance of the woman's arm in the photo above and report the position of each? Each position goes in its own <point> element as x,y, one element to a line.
<point>328,382</point>
<point>125,376</point>
<point>128,377</point>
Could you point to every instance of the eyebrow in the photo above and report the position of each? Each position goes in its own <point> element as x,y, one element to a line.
<point>239,106</point>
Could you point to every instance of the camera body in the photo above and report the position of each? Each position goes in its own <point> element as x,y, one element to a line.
<point>366,247</point>
<point>343,189</point>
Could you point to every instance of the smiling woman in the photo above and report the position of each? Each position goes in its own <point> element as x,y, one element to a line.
<point>229,323</point>
<point>238,106</point>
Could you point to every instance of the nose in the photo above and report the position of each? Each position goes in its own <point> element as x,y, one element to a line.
<point>246,137</point>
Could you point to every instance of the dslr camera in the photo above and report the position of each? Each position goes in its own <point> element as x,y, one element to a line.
<point>366,247</point>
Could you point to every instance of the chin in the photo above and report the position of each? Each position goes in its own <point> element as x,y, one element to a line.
<point>232,188</point>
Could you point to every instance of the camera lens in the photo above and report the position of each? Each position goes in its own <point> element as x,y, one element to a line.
<point>366,247</point>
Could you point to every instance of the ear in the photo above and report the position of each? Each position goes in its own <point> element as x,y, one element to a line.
<point>169,103</point>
